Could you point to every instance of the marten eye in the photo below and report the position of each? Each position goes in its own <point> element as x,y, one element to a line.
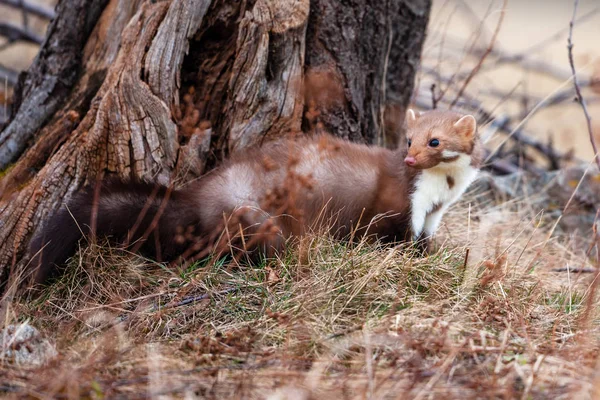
<point>434,143</point>
<point>409,142</point>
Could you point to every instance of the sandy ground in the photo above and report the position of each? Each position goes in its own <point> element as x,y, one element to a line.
<point>527,25</point>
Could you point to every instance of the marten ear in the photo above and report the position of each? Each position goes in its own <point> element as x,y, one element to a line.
<point>466,126</point>
<point>411,117</point>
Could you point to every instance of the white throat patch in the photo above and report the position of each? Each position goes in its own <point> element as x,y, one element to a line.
<point>436,189</point>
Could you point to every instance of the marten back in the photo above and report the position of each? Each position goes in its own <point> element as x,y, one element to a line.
<point>283,189</point>
<point>154,219</point>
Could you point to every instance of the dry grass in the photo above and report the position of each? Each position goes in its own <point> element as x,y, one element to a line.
<point>485,316</point>
<point>327,320</point>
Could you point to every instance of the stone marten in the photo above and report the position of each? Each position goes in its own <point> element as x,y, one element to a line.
<point>263,196</point>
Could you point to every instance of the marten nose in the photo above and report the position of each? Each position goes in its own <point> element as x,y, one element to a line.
<point>410,161</point>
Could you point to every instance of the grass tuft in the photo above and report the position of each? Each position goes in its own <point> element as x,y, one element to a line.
<point>484,315</point>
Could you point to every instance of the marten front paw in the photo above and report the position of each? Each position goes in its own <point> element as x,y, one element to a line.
<point>422,245</point>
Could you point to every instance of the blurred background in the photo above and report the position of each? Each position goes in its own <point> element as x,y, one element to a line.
<point>23,24</point>
<point>511,65</point>
<point>526,76</point>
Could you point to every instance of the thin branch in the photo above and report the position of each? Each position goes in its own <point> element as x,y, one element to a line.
<point>553,156</point>
<point>465,54</point>
<point>528,116</point>
<point>495,161</point>
<point>192,299</point>
<point>4,115</point>
<point>557,99</point>
<point>8,75</point>
<point>582,270</point>
<point>503,123</point>
<point>551,70</point>
<point>13,32</point>
<point>483,57</point>
<point>31,8</point>
<point>483,33</point>
<point>440,58</point>
<point>527,53</point>
<point>24,14</point>
<point>434,100</point>
<point>580,98</point>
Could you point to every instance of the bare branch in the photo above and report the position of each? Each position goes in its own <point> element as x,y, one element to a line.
<point>434,99</point>
<point>502,123</point>
<point>527,53</point>
<point>502,57</point>
<point>557,99</point>
<point>13,32</point>
<point>24,14</point>
<point>472,47</point>
<point>580,98</point>
<point>576,270</point>
<point>483,57</point>
<point>31,8</point>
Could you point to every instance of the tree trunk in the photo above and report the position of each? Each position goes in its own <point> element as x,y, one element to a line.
<point>164,90</point>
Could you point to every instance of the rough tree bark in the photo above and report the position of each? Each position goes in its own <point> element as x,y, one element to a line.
<point>163,90</point>
<point>45,86</point>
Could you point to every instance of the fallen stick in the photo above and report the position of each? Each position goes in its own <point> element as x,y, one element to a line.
<point>575,270</point>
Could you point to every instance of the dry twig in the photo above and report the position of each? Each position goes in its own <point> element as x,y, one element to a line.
<point>580,98</point>
<point>521,57</point>
<point>483,57</point>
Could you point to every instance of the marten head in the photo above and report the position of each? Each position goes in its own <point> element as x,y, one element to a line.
<point>439,138</point>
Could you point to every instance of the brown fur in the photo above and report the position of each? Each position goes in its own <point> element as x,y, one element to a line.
<point>346,183</point>
<point>440,125</point>
<point>286,188</point>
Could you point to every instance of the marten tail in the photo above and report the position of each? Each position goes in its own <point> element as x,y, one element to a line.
<point>156,220</point>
